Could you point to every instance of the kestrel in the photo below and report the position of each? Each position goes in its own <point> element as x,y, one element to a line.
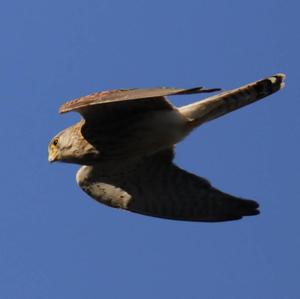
<point>126,138</point>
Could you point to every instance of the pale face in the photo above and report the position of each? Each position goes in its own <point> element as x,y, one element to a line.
<point>69,146</point>
<point>61,146</point>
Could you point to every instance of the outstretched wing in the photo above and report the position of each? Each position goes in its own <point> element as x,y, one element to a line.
<point>89,106</point>
<point>158,188</point>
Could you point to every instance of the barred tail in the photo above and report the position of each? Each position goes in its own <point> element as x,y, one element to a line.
<point>218,105</point>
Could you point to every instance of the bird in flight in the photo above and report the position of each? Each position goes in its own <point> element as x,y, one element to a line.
<point>125,144</point>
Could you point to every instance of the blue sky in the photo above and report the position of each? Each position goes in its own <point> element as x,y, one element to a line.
<point>55,242</point>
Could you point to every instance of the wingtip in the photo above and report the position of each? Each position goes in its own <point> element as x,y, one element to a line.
<point>211,89</point>
<point>199,89</point>
<point>249,208</point>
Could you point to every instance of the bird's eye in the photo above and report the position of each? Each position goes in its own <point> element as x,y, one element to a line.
<point>55,142</point>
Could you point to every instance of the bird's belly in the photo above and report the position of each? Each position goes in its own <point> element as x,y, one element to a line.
<point>106,184</point>
<point>107,194</point>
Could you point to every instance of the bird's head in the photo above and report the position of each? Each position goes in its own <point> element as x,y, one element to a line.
<point>71,147</point>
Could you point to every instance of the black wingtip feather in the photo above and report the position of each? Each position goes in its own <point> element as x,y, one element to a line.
<point>249,208</point>
<point>197,90</point>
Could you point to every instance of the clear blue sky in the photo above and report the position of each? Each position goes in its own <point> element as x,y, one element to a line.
<point>57,243</point>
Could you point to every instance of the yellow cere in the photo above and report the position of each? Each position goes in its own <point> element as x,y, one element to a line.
<point>52,151</point>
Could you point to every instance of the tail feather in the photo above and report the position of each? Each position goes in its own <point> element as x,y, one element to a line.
<point>218,105</point>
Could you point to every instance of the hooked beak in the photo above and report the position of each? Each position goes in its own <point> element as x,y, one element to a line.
<point>52,156</point>
<point>51,159</point>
